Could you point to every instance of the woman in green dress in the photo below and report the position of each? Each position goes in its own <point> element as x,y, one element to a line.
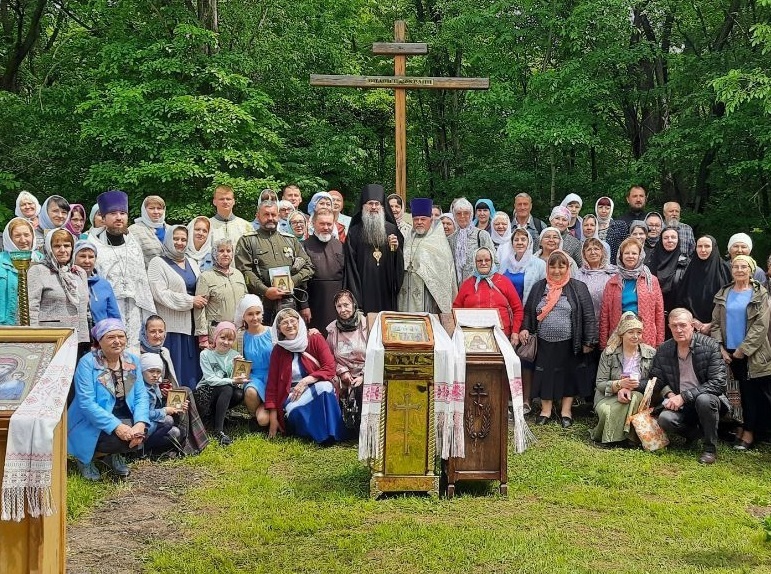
<point>621,379</point>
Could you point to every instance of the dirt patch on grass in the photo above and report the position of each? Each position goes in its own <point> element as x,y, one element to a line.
<point>114,537</point>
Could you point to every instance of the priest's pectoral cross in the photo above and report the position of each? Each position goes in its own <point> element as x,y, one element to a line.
<point>406,407</point>
<point>377,254</point>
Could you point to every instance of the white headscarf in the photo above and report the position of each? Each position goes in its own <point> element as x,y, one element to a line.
<point>508,258</point>
<point>8,244</point>
<point>300,342</point>
<point>145,218</point>
<point>197,255</point>
<point>25,195</point>
<point>247,301</point>
<point>497,238</point>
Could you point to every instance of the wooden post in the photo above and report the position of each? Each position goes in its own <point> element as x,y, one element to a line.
<point>400,83</point>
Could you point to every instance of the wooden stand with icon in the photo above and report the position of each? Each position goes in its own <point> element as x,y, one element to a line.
<point>34,544</point>
<point>485,419</point>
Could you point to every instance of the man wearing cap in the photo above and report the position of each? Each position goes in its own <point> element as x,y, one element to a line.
<point>428,265</point>
<point>122,263</point>
<point>374,257</point>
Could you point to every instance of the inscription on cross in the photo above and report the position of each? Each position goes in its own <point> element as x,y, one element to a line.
<point>400,83</point>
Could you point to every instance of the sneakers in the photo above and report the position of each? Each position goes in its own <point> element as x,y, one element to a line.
<point>118,465</point>
<point>224,439</point>
<point>89,471</point>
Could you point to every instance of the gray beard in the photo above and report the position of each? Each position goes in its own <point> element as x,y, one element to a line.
<point>324,237</point>
<point>673,223</point>
<point>373,228</point>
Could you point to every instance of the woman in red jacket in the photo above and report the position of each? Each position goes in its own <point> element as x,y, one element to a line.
<point>299,396</point>
<point>488,289</point>
<point>634,289</point>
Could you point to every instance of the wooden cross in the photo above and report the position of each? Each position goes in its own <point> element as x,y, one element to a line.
<point>406,407</point>
<point>400,83</point>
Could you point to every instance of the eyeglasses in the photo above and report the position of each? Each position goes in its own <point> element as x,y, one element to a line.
<point>288,321</point>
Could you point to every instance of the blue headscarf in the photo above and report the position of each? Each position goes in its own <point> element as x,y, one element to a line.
<point>486,203</point>
<point>489,276</point>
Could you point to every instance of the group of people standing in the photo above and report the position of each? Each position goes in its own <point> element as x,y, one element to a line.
<point>176,305</point>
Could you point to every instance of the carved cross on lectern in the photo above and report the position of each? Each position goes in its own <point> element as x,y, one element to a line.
<point>399,83</point>
<point>406,406</point>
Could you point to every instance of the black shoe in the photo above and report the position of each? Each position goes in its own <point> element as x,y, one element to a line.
<point>566,422</point>
<point>707,457</point>
<point>224,439</point>
<point>542,420</point>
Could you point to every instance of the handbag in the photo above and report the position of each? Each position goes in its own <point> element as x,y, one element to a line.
<point>527,351</point>
<point>651,435</point>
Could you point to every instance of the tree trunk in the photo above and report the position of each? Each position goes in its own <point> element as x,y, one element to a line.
<point>18,43</point>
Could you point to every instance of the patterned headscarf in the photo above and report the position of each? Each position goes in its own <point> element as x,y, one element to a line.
<point>106,326</point>
<point>627,322</point>
<point>63,270</point>
<point>168,244</point>
<point>749,261</point>
<point>489,275</point>
<point>554,288</point>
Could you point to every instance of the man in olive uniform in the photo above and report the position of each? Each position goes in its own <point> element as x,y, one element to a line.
<point>267,248</point>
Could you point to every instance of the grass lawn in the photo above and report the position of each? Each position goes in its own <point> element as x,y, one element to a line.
<point>288,506</point>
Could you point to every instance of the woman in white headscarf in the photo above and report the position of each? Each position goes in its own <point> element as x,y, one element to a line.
<point>28,207</point>
<point>199,242</point>
<point>150,229</point>
<point>18,235</point>
<point>255,342</point>
<point>173,278</point>
<point>603,209</point>
<point>500,229</point>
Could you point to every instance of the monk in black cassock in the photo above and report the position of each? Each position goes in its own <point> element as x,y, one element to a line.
<point>374,256</point>
<point>326,253</point>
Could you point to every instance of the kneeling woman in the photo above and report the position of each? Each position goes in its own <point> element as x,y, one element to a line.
<point>621,379</point>
<point>300,397</point>
<point>110,411</point>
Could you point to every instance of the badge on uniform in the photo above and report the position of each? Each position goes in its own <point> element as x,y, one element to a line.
<point>288,253</point>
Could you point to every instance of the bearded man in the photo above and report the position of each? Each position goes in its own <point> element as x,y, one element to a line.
<point>374,257</point>
<point>328,258</point>
<point>122,263</point>
<point>428,265</point>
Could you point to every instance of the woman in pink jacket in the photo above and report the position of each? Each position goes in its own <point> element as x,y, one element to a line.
<point>488,289</point>
<point>634,289</point>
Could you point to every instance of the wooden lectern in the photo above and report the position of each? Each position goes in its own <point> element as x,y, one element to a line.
<point>35,545</point>
<point>407,439</point>
<point>485,419</point>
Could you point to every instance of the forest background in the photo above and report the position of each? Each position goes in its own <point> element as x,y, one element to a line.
<point>168,97</point>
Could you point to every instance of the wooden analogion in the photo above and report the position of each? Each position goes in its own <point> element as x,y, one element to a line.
<point>407,439</point>
<point>400,83</point>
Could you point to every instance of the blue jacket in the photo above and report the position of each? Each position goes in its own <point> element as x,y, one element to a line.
<point>9,287</point>
<point>155,401</point>
<point>91,410</point>
<point>101,299</point>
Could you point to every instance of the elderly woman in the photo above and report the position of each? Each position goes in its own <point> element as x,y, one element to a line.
<point>223,287</point>
<point>487,289</point>
<point>300,397</point>
<point>54,214</point>
<point>740,323</point>
<point>560,219</point>
<point>150,228</point>
<point>28,207</point>
<point>320,200</point>
<point>256,344</point>
<point>101,300</point>
<point>621,380</point>
<point>199,247</point>
<point>668,264</point>
<point>298,225</point>
<point>559,312</point>
<point>500,232</point>
<point>741,244</point>
<point>595,274</point>
<point>224,391</point>
<point>448,223</point>
<point>549,241</point>
<point>173,279</point>
<point>633,289</point>
<point>58,290</point>
<point>151,339</point>
<point>704,276</point>
<point>524,269</point>
<point>18,235</point>
<point>110,410</point>
<point>347,339</point>
<point>76,223</point>
<point>466,239</point>
<point>285,208</point>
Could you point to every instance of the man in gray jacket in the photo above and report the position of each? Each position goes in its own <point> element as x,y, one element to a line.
<point>691,376</point>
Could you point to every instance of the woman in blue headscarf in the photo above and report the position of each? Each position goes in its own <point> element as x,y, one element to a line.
<point>486,288</point>
<point>484,212</point>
